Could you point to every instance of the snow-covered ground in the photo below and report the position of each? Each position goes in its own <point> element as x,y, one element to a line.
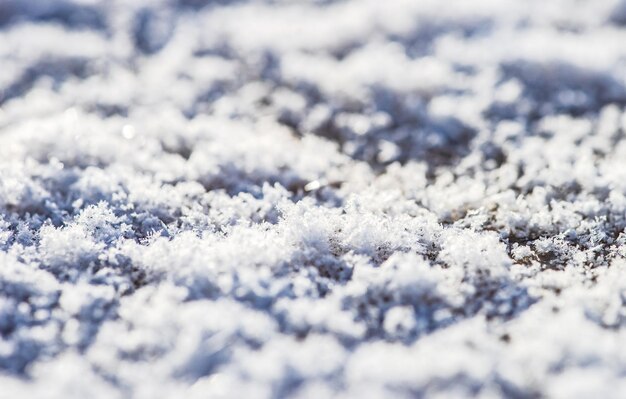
<point>312,199</point>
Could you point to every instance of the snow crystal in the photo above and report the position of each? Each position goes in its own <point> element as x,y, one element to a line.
<point>320,198</point>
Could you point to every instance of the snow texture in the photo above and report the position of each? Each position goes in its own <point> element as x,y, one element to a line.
<point>312,199</point>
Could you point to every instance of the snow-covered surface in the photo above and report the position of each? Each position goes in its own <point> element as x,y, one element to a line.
<point>268,199</point>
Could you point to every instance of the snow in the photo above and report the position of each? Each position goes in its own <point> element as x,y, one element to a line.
<point>309,199</point>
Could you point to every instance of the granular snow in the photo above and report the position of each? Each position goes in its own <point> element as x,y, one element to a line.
<point>312,199</point>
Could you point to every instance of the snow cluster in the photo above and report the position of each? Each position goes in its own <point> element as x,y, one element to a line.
<point>312,199</point>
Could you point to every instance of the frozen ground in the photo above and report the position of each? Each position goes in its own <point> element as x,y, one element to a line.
<point>269,199</point>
